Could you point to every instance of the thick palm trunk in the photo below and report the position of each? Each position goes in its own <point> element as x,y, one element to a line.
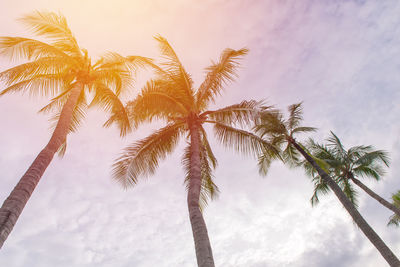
<point>16,201</point>
<point>355,215</point>
<point>377,197</point>
<point>200,235</point>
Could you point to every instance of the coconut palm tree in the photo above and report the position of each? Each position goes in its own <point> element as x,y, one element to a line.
<point>395,218</point>
<point>60,68</point>
<point>280,132</point>
<point>345,165</point>
<point>171,97</point>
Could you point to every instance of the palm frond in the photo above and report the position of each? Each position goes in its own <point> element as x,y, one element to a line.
<point>218,75</point>
<point>369,171</point>
<point>264,162</point>
<point>350,192</point>
<point>118,78</point>
<point>142,157</point>
<point>174,68</point>
<point>154,101</point>
<point>55,27</point>
<point>319,188</point>
<point>295,116</point>
<point>25,48</point>
<point>57,102</point>
<point>271,124</point>
<point>335,144</point>
<point>27,71</point>
<point>371,158</point>
<point>242,141</point>
<point>291,156</point>
<point>243,113</point>
<point>47,84</point>
<point>303,129</point>
<point>107,100</point>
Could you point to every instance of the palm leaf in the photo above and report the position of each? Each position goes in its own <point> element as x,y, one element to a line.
<point>350,192</point>
<point>27,71</point>
<point>218,75</point>
<point>336,145</point>
<point>243,113</point>
<point>271,124</point>
<point>295,116</point>
<point>46,84</point>
<point>373,157</point>
<point>241,141</point>
<point>154,101</point>
<point>26,48</point>
<point>174,68</point>
<point>369,171</point>
<point>319,188</point>
<point>304,129</point>
<point>55,27</point>
<point>142,157</point>
<point>107,100</point>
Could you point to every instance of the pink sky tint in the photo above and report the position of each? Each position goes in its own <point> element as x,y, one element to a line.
<point>340,57</point>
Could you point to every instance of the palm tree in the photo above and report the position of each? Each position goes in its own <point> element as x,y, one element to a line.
<point>345,165</point>
<point>395,218</point>
<point>62,69</point>
<point>275,129</point>
<point>171,97</point>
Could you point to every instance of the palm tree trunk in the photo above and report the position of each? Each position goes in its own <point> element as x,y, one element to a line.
<point>377,197</point>
<point>200,235</point>
<point>355,215</point>
<point>16,201</point>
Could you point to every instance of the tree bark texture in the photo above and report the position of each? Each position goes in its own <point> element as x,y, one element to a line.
<point>19,196</point>
<point>377,197</point>
<point>385,251</point>
<point>200,235</point>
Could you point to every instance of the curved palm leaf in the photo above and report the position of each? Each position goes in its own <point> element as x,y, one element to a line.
<point>295,116</point>
<point>174,69</point>
<point>26,48</point>
<point>240,140</point>
<point>142,157</point>
<point>243,113</point>
<point>218,75</point>
<point>53,26</point>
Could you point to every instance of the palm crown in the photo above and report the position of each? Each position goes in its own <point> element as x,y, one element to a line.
<point>344,165</point>
<point>172,98</point>
<point>56,67</point>
<point>279,131</point>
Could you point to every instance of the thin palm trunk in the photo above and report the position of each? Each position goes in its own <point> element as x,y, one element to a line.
<point>377,197</point>
<point>385,251</point>
<point>16,201</point>
<point>200,235</point>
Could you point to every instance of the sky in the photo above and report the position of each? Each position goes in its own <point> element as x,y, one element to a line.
<point>341,58</point>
